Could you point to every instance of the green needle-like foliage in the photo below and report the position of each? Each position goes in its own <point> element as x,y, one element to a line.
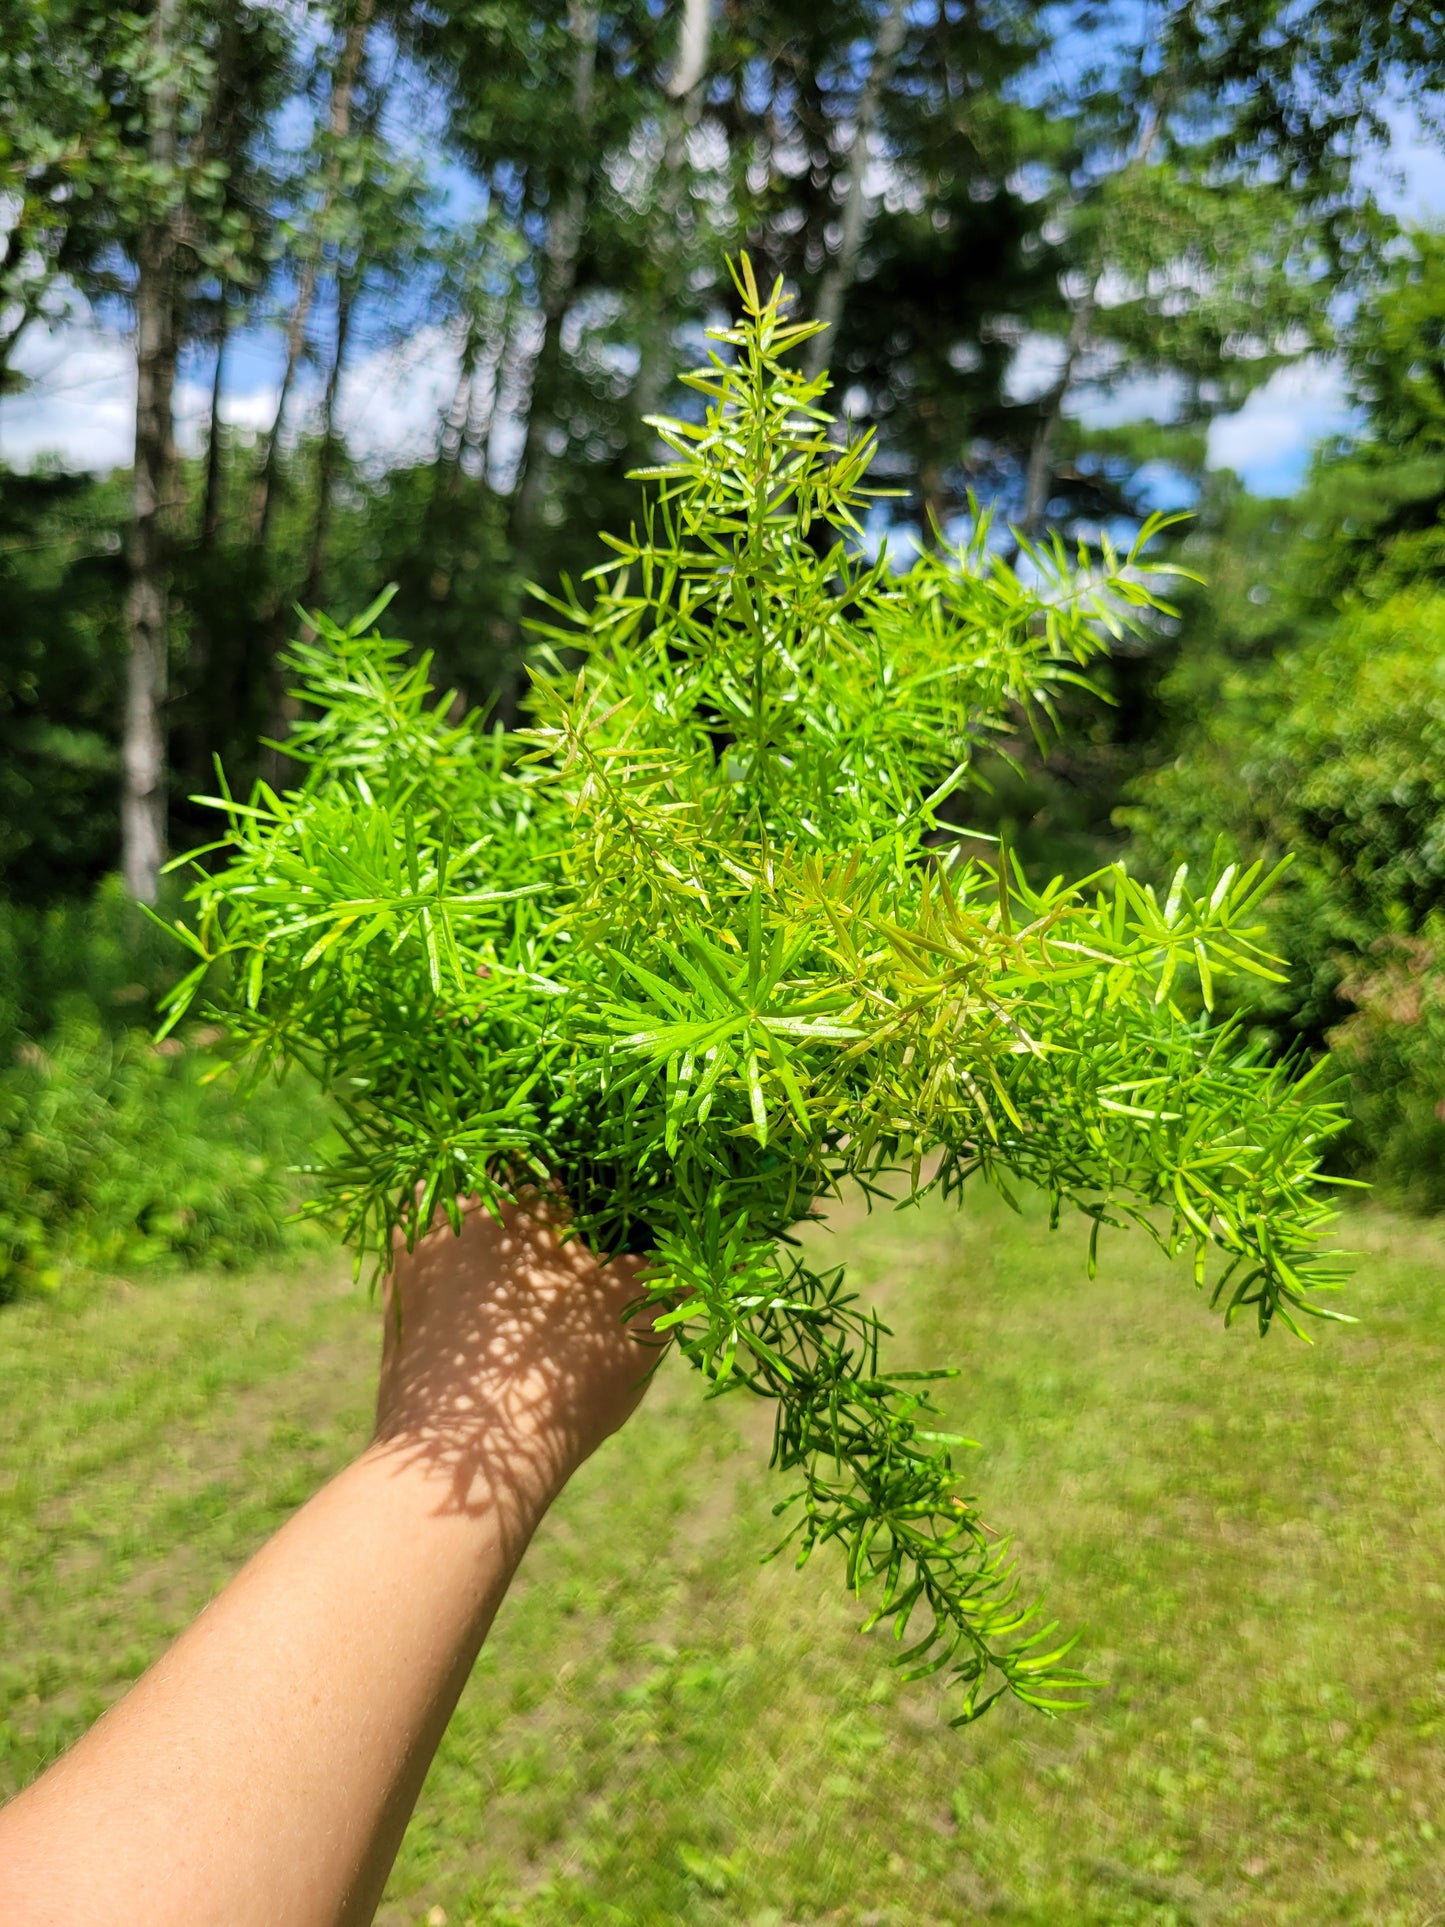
<point>700,946</point>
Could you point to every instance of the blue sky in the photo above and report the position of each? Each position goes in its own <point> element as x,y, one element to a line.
<point>1268,442</point>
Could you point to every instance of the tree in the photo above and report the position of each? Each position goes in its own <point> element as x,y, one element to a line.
<point>1304,713</point>
<point>140,189</point>
<point>566,215</point>
<point>881,166</point>
<point>907,170</point>
<point>376,237</point>
<point>143,794</point>
<point>1313,89</point>
<point>1334,749</point>
<point>839,273</point>
<point>312,237</point>
<point>62,584</point>
<point>51,149</point>
<point>1177,260</point>
<point>774,127</point>
<point>680,246</point>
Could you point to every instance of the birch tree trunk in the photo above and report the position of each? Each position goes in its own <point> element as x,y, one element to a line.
<point>143,754</point>
<point>474,402</point>
<point>694,44</point>
<point>459,414</point>
<point>839,275</point>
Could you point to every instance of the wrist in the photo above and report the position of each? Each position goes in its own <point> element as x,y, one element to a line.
<point>459,1460</point>
<point>505,1360</point>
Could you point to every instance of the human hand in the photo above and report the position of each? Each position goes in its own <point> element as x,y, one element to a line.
<point>505,1357</point>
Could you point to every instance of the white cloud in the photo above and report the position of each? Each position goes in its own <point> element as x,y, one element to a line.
<point>1268,441</point>
<point>79,405</point>
<point>1035,368</point>
<point>1410,179</point>
<point>1095,400</point>
<point>78,408</point>
<point>253,411</point>
<point>393,399</point>
<point>1154,398</point>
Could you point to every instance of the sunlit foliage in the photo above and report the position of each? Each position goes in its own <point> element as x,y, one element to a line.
<point>702,944</point>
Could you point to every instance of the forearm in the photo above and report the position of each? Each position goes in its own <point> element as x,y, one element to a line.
<point>262,1774</point>
<point>265,1769</point>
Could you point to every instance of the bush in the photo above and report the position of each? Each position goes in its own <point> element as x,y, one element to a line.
<point>99,955</point>
<point>118,1154</point>
<point>1335,750</point>
<point>1394,1048</point>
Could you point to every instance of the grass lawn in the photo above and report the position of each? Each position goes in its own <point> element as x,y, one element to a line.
<point>662,1729</point>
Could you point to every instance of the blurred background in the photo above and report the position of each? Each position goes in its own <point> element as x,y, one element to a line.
<point>297,300</point>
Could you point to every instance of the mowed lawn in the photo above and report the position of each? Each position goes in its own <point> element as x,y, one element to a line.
<point>663,1729</point>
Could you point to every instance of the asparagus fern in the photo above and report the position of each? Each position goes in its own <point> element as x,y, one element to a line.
<point>702,943</point>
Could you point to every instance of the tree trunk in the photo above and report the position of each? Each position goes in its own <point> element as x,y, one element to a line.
<point>326,455</point>
<point>684,91</point>
<point>343,89</point>
<point>839,275</point>
<point>459,424</point>
<point>1039,479</point>
<point>564,244</point>
<point>211,504</point>
<point>282,706</point>
<point>694,42</point>
<point>458,416</point>
<point>143,794</point>
<point>468,424</point>
<point>1040,475</point>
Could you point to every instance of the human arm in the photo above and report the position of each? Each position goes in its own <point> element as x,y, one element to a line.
<point>262,1773</point>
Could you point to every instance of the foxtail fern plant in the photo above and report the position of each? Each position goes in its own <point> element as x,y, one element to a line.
<point>702,945</point>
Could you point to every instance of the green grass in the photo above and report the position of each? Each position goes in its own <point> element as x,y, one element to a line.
<point>663,1730</point>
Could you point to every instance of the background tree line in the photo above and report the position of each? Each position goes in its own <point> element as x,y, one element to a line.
<point>1013,219</point>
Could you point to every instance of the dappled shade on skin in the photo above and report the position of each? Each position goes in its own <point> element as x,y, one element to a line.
<point>510,1385</point>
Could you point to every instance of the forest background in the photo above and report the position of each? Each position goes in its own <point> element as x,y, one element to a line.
<point>402,285</point>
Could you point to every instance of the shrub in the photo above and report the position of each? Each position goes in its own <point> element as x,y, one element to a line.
<point>1394,1048</point>
<point>116,1154</point>
<point>699,945</point>
<point>100,955</point>
<point>1335,750</point>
